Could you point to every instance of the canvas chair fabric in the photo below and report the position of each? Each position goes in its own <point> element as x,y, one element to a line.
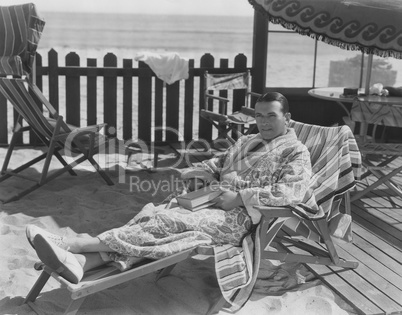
<point>227,81</point>
<point>378,155</point>
<point>20,31</point>
<point>336,165</point>
<point>52,131</point>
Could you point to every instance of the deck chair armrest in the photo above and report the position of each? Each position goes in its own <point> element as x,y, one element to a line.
<point>220,98</point>
<point>248,111</point>
<point>254,94</point>
<point>88,129</point>
<point>275,212</point>
<point>83,130</point>
<point>86,134</point>
<point>214,116</point>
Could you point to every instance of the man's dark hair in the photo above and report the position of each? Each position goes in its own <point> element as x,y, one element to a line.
<point>275,96</point>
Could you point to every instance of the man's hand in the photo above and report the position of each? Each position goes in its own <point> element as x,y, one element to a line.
<point>228,200</point>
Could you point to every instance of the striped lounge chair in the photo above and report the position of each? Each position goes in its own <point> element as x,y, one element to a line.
<point>379,155</point>
<point>20,31</point>
<point>336,164</point>
<point>53,132</point>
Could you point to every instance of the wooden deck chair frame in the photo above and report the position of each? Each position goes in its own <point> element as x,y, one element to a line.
<point>53,132</point>
<point>301,251</point>
<point>108,276</point>
<point>224,123</point>
<point>274,218</point>
<point>377,154</point>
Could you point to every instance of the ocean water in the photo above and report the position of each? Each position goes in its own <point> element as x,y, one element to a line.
<point>290,56</point>
<point>94,35</point>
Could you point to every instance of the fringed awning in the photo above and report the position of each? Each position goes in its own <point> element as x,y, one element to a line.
<point>370,26</point>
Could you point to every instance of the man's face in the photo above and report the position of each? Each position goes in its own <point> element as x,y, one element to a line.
<point>270,119</point>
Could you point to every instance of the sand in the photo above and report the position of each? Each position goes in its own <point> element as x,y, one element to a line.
<point>72,205</point>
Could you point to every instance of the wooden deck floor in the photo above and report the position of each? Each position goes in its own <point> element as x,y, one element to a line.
<point>375,287</point>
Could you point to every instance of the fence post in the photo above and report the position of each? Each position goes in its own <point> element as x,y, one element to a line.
<point>110,95</point>
<point>158,110</point>
<point>92,96</point>
<point>239,96</point>
<point>205,127</point>
<point>144,102</point>
<point>127,99</point>
<point>189,103</point>
<point>224,64</point>
<point>172,108</point>
<point>53,79</point>
<point>73,91</point>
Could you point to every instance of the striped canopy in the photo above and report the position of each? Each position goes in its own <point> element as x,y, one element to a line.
<point>20,31</point>
<point>371,26</point>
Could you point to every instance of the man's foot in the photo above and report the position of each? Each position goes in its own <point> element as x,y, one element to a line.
<point>58,259</point>
<point>31,231</point>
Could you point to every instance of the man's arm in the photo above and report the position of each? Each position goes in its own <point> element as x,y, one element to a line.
<point>209,170</point>
<point>290,187</point>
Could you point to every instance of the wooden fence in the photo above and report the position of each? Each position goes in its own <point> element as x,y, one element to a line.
<point>157,107</point>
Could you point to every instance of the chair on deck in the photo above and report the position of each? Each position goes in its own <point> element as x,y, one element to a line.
<point>336,164</point>
<point>20,34</point>
<point>378,156</point>
<point>225,123</point>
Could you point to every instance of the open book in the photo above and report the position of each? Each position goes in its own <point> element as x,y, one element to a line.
<point>199,199</point>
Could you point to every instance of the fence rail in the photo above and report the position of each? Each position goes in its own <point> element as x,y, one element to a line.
<point>126,92</point>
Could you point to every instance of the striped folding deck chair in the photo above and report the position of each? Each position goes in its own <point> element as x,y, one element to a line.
<point>336,164</point>
<point>20,32</point>
<point>379,156</point>
<point>27,99</point>
<point>224,122</point>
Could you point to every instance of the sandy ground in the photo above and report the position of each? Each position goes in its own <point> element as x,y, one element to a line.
<point>71,205</point>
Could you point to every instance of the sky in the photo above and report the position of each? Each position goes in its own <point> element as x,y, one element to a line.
<point>190,7</point>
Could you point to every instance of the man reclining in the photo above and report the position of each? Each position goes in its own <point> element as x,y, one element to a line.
<point>269,168</point>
